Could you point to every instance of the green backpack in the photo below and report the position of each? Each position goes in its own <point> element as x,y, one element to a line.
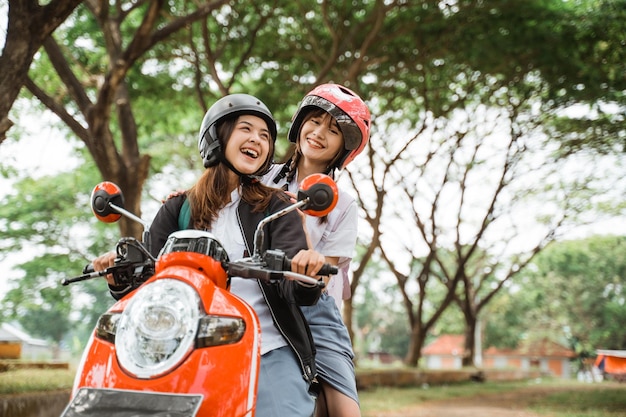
<point>184,216</point>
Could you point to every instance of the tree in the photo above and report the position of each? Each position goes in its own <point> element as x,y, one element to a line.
<point>417,63</point>
<point>575,47</point>
<point>467,189</point>
<point>49,217</point>
<point>94,95</point>
<point>572,290</point>
<point>29,24</point>
<point>381,324</point>
<point>597,71</point>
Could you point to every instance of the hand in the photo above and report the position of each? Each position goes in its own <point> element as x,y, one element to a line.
<point>102,262</point>
<point>307,262</point>
<point>173,194</point>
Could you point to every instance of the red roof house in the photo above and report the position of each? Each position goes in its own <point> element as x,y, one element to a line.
<point>446,352</point>
<point>543,354</point>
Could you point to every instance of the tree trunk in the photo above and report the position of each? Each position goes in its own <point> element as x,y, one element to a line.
<point>416,343</point>
<point>28,25</point>
<point>470,342</point>
<point>348,308</point>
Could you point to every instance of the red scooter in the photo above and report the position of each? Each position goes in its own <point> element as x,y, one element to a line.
<point>181,344</point>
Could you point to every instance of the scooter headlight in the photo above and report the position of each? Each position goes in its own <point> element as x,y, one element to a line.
<point>157,329</point>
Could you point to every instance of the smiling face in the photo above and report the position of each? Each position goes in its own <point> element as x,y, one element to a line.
<point>248,147</point>
<point>321,138</point>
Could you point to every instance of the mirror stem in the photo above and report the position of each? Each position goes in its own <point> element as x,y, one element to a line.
<point>146,226</point>
<point>258,233</point>
<point>130,215</point>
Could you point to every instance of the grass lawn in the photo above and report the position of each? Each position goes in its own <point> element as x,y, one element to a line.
<point>389,398</point>
<point>607,402</point>
<point>546,397</point>
<point>33,380</point>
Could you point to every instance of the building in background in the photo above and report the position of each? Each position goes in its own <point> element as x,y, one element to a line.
<point>446,352</point>
<point>612,364</point>
<point>17,344</point>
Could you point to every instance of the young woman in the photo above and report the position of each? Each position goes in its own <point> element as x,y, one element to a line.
<point>236,143</point>
<point>329,129</point>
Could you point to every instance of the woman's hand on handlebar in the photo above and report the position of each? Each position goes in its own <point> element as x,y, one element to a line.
<point>307,262</point>
<point>103,262</point>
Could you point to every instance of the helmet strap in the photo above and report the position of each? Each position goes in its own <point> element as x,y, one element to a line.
<point>245,178</point>
<point>283,172</point>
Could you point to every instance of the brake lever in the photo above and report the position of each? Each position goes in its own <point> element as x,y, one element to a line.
<point>90,274</point>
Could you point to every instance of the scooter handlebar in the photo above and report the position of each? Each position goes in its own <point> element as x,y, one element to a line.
<point>247,270</point>
<point>88,273</point>
<point>274,266</point>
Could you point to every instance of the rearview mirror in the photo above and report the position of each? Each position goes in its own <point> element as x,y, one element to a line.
<point>104,197</point>
<point>321,194</point>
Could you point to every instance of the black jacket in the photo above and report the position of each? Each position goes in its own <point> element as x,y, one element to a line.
<point>283,299</point>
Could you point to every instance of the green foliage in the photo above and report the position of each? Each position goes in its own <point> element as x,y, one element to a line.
<point>504,326</point>
<point>450,322</point>
<point>410,60</point>
<point>575,46</point>
<point>40,303</point>
<point>573,289</point>
<point>48,220</point>
<point>379,315</point>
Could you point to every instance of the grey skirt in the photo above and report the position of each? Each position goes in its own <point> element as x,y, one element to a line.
<point>334,355</point>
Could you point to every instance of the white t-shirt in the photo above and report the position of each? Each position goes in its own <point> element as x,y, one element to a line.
<point>226,229</point>
<point>336,237</point>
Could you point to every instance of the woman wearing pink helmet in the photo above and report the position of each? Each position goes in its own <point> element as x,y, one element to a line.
<point>329,129</point>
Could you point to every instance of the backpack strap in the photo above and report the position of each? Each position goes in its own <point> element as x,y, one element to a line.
<point>184,215</point>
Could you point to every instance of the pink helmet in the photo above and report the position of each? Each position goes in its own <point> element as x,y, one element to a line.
<point>348,109</point>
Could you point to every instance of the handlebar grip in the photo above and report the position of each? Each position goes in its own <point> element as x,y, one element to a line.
<point>277,260</point>
<point>328,269</point>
